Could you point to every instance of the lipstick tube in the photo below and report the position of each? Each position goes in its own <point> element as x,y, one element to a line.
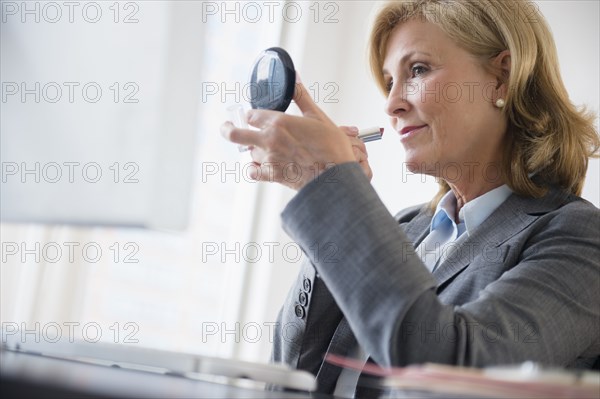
<point>370,134</point>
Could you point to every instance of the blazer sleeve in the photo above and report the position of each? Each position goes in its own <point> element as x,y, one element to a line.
<point>390,299</point>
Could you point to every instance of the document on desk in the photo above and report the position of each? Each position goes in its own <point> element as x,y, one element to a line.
<point>154,360</point>
<point>527,380</point>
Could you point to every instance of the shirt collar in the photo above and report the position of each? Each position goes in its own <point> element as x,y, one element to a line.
<point>477,210</point>
<point>473,213</point>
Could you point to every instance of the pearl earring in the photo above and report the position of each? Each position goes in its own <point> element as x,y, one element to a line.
<point>500,103</point>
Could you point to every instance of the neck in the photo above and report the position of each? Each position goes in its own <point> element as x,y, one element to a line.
<point>467,191</point>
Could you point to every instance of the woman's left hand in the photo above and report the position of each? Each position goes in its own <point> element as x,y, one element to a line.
<point>292,150</point>
<point>360,150</point>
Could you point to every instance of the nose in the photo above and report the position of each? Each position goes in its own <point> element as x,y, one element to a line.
<point>396,104</point>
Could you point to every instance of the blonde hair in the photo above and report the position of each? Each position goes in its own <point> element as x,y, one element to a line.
<point>547,135</point>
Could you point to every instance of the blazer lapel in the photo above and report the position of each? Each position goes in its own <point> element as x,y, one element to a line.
<point>512,217</point>
<point>416,230</point>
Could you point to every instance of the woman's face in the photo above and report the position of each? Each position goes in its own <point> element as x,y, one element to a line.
<point>441,102</point>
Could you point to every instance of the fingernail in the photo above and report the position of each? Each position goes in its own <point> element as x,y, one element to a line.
<point>223,130</point>
<point>353,129</point>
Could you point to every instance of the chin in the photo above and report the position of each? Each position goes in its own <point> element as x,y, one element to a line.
<point>415,163</point>
<point>422,165</point>
<point>413,166</point>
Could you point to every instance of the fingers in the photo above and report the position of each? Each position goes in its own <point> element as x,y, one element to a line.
<point>262,118</point>
<point>241,136</point>
<point>359,149</point>
<point>306,104</point>
<point>269,169</point>
<point>302,98</point>
<point>351,131</point>
<point>359,155</point>
<point>357,143</point>
<point>275,123</point>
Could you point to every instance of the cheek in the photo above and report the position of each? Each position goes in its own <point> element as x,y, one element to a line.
<point>446,121</point>
<point>441,104</point>
<point>465,114</point>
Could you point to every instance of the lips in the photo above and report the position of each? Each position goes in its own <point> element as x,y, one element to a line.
<point>409,129</point>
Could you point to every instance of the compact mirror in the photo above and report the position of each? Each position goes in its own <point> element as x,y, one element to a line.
<point>273,80</point>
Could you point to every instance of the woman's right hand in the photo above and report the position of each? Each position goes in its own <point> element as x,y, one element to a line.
<point>360,150</point>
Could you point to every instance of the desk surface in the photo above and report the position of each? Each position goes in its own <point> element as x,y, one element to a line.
<point>23,373</point>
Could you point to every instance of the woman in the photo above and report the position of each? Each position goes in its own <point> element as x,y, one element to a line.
<point>503,266</point>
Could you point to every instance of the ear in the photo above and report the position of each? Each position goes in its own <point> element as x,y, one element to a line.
<point>501,63</point>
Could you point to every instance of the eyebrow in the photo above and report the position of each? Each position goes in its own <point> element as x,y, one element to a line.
<point>405,57</point>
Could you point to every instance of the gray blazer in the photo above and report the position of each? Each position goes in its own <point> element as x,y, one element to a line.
<point>525,285</point>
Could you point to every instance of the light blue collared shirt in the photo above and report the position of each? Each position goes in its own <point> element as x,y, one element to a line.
<point>444,230</point>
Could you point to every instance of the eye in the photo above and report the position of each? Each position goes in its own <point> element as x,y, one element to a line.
<point>417,70</point>
<point>388,86</point>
